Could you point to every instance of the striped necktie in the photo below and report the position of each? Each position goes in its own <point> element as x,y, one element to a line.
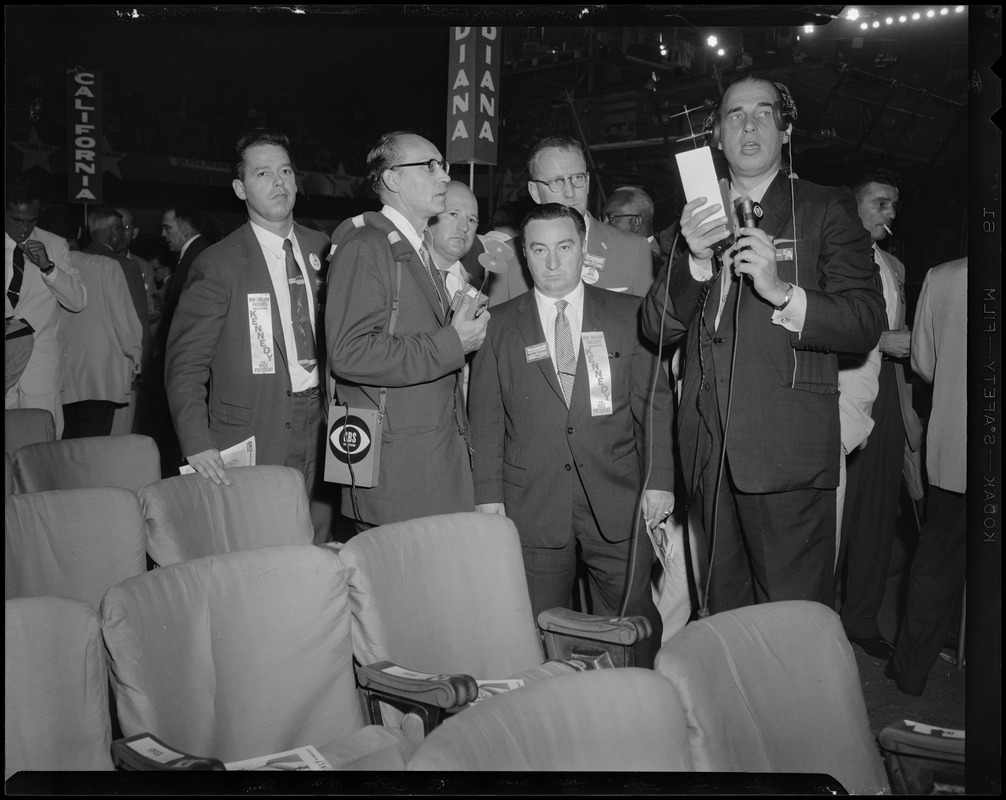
<point>565,354</point>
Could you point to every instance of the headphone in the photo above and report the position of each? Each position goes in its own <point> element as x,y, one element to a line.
<point>783,112</point>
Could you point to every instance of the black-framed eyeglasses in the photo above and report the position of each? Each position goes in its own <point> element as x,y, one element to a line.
<point>431,165</point>
<point>609,217</point>
<point>556,185</point>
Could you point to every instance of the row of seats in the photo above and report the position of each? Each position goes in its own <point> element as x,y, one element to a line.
<point>249,653</point>
<point>238,633</point>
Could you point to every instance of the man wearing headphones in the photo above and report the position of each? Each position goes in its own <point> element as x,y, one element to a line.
<point>759,419</point>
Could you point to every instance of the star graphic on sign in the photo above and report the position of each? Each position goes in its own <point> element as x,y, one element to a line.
<point>35,153</point>
<point>110,159</point>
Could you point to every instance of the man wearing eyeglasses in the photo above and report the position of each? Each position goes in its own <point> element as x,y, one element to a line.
<point>425,467</point>
<point>615,259</point>
<point>630,209</point>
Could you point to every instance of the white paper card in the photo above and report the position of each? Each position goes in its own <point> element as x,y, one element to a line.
<point>240,455</point>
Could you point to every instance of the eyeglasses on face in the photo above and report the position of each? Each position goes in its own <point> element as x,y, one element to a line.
<point>609,217</point>
<point>577,181</point>
<point>431,165</point>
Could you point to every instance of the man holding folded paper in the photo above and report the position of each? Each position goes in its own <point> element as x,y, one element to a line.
<point>566,433</point>
<point>762,319</point>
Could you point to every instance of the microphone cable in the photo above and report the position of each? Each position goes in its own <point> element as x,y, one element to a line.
<point>647,420</point>
<point>744,206</point>
<point>349,463</point>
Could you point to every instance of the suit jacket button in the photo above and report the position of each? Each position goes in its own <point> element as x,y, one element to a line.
<point>288,425</point>
<point>289,393</point>
<point>567,467</point>
<point>570,431</point>
<point>718,340</point>
<point>705,386</point>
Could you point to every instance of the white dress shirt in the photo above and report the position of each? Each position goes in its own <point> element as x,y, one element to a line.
<point>547,313</point>
<point>793,316</point>
<point>275,260</point>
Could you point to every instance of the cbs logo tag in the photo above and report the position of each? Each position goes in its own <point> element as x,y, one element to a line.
<point>350,439</point>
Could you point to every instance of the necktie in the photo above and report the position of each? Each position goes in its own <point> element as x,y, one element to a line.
<point>876,272</point>
<point>565,354</point>
<point>424,254</point>
<point>14,290</point>
<point>303,333</point>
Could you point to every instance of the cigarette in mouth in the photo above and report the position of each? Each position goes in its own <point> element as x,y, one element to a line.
<point>889,231</point>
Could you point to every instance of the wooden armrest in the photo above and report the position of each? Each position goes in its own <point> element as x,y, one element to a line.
<point>443,691</point>
<point>144,752</point>
<point>427,697</point>
<point>615,630</point>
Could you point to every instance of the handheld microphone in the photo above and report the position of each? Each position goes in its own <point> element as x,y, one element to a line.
<point>744,206</point>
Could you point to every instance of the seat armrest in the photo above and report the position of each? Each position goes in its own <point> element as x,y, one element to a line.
<point>430,697</point>
<point>144,752</point>
<point>444,691</point>
<point>568,634</point>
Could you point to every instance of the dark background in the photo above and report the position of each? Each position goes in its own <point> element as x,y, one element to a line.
<point>183,81</point>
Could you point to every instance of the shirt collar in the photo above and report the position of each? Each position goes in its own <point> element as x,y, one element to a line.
<point>400,222</point>
<point>186,245</point>
<point>758,192</point>
<point>270,241</point>
<point>574,299</point>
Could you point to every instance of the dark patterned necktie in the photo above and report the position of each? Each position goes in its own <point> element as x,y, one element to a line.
<point>300,313</point>
<point>427,259</point>
<point>876,272</point>
<point>565,354</point>
<point>14,290</point>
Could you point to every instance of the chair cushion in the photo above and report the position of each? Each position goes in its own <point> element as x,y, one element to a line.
<point>442,594</point>
<point>774,688</point>
<point>129,462</point>
<point>617,719</point>
<point>235,656</point>
<point>24,426</point>
<point>55,687</point>
<point>191,517</point>
<point>72,542</point>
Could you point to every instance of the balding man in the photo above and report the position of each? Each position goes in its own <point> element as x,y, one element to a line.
<point>150,283</point>
<point>424,458</point>
<point>614,259</point>
<point>108,234</point>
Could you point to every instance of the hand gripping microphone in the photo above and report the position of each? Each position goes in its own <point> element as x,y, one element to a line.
<point>744,206</point>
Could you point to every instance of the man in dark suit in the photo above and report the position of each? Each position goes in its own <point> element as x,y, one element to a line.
<point>424,457</point>
<point>242,357</point>
<point>564,431</point>
<point>803,281</point>
<point>614,260</point>
<point>181,228</point>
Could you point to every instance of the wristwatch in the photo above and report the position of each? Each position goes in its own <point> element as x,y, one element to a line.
<point>784,303</point>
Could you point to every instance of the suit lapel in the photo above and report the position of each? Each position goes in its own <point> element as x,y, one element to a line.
<point>307,255</point>
<point>422,277</point>
<point>529,325</point>
<point>261,283</point>
<point>775,206</point>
